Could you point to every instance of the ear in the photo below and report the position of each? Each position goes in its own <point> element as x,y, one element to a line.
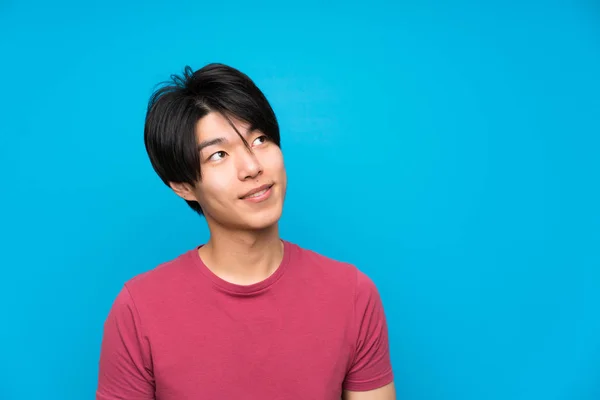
<point>184,190</point>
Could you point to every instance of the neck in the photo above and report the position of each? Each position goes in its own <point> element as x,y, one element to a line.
<point>243,257</point>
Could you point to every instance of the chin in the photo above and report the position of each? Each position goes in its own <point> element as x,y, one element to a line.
<point>262,220</point>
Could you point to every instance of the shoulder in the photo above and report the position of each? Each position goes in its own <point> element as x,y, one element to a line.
<point>162,278</point>
<point>334,271</point>
<point>315,261</point>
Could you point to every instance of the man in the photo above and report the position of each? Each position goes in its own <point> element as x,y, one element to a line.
<point>247,315</point>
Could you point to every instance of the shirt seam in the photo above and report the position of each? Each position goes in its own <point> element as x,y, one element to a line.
<point>141,328</point>
<point>355,328</point>
<point>387,373</point>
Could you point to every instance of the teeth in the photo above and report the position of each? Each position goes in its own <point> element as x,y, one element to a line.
<point>258,193</point>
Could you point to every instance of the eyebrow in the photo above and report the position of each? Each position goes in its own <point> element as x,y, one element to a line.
<point>212,142</point>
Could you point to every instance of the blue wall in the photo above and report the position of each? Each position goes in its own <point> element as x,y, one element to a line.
<point>451,151</point>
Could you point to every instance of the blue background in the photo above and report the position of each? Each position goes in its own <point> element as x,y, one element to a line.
<point>448,149</point>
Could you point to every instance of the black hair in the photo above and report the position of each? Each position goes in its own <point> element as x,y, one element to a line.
<point>175,108</point>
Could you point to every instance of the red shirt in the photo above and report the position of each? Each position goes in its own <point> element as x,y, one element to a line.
<point>177,332</point>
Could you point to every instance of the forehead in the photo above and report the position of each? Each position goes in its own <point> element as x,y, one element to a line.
<point>215,125</point>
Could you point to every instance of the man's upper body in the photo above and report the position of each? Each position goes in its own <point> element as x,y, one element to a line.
<point>246,315</point>
<point>312,329</point>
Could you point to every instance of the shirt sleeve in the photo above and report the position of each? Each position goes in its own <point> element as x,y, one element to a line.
<point>125,368</point>
<point>371,365</point>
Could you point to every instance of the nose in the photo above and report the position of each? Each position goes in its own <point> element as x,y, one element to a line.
<point>249,166</point>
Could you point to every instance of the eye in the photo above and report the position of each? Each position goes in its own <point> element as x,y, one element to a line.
<point>219,155</point>
<point>260,140</point>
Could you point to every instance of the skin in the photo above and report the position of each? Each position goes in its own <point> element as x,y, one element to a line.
<point>387,392</point>
<point>244,245</point>
<point>243,236</point>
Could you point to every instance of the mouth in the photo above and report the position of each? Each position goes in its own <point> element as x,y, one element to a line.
<point>257,193</point>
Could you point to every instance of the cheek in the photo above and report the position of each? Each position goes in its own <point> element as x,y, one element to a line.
<point>215,188</point>
<point>275,163</point>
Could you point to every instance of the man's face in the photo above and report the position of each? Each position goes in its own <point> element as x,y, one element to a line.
<point>230,171</point>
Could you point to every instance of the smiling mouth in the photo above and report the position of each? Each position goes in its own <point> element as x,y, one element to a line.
<point>262,190</point>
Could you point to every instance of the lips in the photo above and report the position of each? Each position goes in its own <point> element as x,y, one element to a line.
<point>257,190</point>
